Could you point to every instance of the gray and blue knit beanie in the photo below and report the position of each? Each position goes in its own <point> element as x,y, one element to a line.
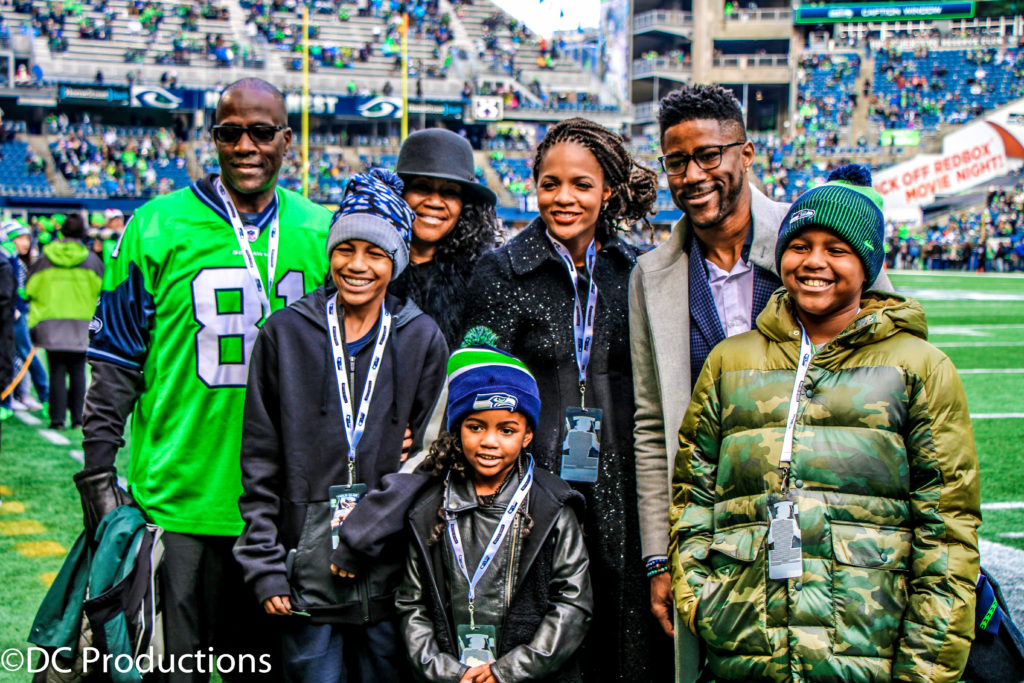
<point>373,210</point>
<point>846,205</point>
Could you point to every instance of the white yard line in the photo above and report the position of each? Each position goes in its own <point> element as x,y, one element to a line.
<point>1006,505</point>
<point>953,273</point>
<point>991,371</point>
<point>996,416</point>
<point>1012,534</point>
<point>77,456</point>
<point>28,418</point>
<point>54,438</point>
<point>964,344</point>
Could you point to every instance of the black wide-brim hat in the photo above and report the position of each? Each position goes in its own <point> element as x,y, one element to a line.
<point>440,153</point>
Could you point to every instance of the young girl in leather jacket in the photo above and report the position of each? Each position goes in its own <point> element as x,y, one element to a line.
<point>496,586</point>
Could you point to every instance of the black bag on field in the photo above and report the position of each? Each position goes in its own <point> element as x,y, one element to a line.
<point>997,655</point>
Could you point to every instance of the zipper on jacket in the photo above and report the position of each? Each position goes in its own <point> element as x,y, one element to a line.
<point>364,599</point>
<point>514,533</point>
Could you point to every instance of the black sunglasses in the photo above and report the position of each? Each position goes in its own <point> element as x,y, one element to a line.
<point>707,158</point>
<point>261,133</point>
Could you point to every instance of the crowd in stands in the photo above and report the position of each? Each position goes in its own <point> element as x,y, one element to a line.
<point>118,166</point>
<point>922,88</point>
<point>989,237</point>
<point>826,96</point>
<point>426,21</point>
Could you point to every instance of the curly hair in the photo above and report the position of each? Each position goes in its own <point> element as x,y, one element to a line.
<point>475,232</point>
<point>634,188</point>
<point>700,101</point>
<point>446,456</point>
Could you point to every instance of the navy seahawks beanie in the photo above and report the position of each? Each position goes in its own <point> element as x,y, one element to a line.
<point>846,205</point>
<point>373,210</point>
<point>486,378</point>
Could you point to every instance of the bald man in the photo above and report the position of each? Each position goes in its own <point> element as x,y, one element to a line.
<point>185,292</point>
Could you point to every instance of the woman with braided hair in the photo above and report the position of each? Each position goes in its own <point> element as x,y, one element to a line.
<point>555,297</point>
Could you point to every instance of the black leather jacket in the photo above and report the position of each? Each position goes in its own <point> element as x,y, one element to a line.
<point>537,593</point>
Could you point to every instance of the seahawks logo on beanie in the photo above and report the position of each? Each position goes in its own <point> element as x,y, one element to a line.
<point>848,206</point>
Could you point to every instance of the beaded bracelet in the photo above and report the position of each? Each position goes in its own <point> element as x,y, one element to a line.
<point>655,566</point>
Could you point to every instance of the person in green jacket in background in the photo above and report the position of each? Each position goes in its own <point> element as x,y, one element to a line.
<point>63,286</point>
<point>826,499</point>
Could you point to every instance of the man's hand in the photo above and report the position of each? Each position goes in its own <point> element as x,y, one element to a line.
<point>406,443</point>
<point>662,605</point>
<point>281,605</point>
<point>341,573</point>
<point>479,674</point>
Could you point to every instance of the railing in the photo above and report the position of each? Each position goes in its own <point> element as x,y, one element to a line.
<point>750,61</point>
<point>648,67</point>
<point>662,17</point>
<point>760,15</point>
<point>645,112</point>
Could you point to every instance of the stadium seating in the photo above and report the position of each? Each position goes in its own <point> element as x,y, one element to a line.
<point>15,177</point>
<point>943,86</point>
<point>824,99</point>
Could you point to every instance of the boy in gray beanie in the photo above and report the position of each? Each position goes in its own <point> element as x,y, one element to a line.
<point>327,405</point>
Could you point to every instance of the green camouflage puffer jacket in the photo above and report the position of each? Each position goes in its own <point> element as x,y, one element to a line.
<point>885,478</point>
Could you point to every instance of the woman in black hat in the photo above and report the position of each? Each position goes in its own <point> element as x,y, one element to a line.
<point>455,224</point>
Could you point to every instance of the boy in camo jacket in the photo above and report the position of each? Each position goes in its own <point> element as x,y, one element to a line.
<point>825,495</point>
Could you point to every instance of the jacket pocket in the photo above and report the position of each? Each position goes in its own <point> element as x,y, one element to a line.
<point>869,587</point>
<point>312,584</point>
<point>731,611</point>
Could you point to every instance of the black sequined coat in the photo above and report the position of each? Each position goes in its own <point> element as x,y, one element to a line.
<point>523,292</point>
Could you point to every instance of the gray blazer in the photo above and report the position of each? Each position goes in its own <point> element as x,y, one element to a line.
<point>659,319</point>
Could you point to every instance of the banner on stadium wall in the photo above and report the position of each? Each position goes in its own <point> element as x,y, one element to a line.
<point>901,137</point>
<point>969,157</point>
<point>92,94</point>
<point>350,106</point>
<point>830,13</point>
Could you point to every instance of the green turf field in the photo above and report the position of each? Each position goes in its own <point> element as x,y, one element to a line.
<point>983,335</point>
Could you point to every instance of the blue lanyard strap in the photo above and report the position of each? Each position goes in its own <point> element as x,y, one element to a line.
<point>243,246</point>
<point>583,319</point>
<point>496,538</point>
<point>806,353</point>
<point>355,425</point>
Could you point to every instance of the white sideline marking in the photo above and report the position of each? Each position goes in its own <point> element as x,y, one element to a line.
<point>991,371</point>
<point>952,273</point>
<point>951,329</point>
<point>77,456</point>
<point>28,418</point>
<point>1008,505</point>
<point>54,438</point>
<point>996,416</point>
<point>956,345</point>
<point>1012,534</point>
<point>958,295</point>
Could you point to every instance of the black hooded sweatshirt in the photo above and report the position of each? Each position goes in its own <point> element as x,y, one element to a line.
<point>294,447</point>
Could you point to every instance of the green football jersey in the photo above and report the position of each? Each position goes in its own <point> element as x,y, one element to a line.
<point>179,305</point>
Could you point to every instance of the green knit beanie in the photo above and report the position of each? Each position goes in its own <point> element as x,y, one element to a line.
<point>846,205</point>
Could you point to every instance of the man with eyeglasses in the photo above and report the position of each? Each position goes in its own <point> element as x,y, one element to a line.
<point>194,276</point>
<point>709,281</point>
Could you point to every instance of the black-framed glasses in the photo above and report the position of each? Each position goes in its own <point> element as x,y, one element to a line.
<point>707,158</point>
<point>260,133</point>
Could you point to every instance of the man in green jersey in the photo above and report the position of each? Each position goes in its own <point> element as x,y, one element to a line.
<point>187,288</point>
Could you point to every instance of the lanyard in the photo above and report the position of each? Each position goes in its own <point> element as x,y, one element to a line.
<point>504,524</point>
<point>354,428</point>
<point>243,245</point>
<point>582,321</point>
<point>806,353</point>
